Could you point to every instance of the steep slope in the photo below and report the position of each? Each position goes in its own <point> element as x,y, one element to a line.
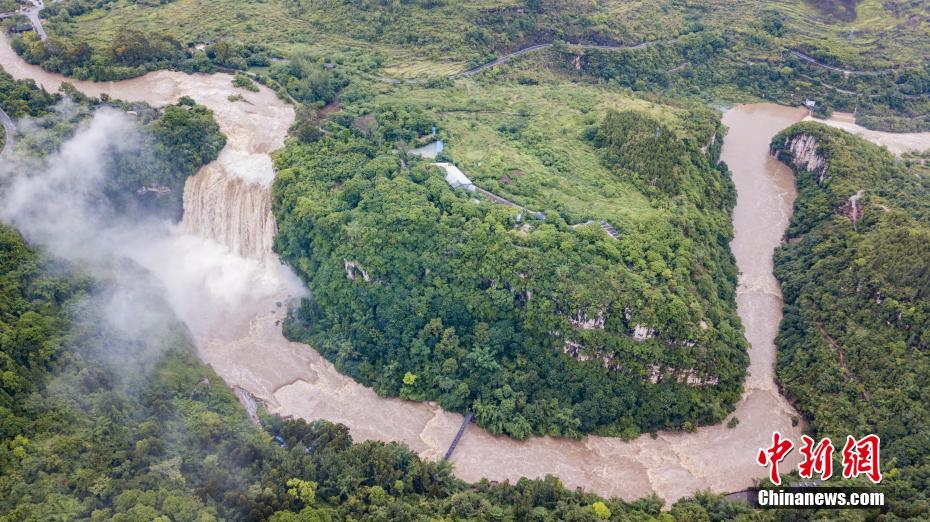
<point>855,272</point>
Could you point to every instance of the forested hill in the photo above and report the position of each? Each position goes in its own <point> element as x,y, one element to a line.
<point>97,424</point>
<point>82,439</point>
<point>542,325</point>
<point>854,346</point>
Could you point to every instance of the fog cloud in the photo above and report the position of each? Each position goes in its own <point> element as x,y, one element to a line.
<point>149,267</point>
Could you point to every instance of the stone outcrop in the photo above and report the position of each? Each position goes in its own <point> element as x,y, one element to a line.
<point>576,351</point>
<point>582,321</point>
<point>710,143</point>
<point>352,267</point>
<point>854,209</point>
<point>158,190</point>
<point>689,376</point>
<point>642,333</point>
<point>805,155</point>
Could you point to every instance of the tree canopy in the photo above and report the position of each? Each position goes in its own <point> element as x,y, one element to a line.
<point>853,344</point>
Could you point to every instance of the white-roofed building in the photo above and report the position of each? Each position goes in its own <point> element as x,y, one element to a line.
<point>455,177</point>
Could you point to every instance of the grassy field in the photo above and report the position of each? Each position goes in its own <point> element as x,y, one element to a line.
<point>408,40</point>
<point>526,143</point>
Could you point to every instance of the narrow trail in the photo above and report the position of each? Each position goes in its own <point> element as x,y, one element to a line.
<point>32,14</point>
<point>507,57</point>
<point>8,131</point>
<point>510,56</point>
<point>602,224</point>
<point>845,72</point>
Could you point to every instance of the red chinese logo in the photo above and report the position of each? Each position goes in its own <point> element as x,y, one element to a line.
<point>817,459</point>
<point>774,454</point>
<point>860,457</point>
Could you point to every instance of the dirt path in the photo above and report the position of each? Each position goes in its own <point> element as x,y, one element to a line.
<point>33,14</point>
<point>507,57</point>
<point>510,56</point>
<point>845,72</point>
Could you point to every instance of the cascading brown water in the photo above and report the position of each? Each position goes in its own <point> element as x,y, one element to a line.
<point>230,211</point>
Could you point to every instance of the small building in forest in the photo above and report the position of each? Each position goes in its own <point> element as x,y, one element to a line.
<point>455,177</point>
<point>20,28</point>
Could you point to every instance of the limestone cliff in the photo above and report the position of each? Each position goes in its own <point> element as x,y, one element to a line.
<point>804,153</point>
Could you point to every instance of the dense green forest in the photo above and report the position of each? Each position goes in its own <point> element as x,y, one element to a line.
<point>539,325</point>
<point>855,273</point>
<point>866,56</point>
<point>96,424</point>
<point>534,317</point>
<point>100,423</point>
<point>85,437</point>
<point>20,98</point>
<point>155,435</point>
<point>705,65</point>
<point>173,146</point>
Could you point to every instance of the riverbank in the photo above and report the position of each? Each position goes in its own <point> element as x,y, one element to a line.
<point>896,142</point>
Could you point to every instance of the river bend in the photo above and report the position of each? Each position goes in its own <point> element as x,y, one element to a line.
<point>236,317</point>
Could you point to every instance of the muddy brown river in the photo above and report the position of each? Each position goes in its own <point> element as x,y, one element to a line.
<point>227,285</point>
<point>897,143</point>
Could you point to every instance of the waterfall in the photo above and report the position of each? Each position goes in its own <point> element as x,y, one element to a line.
<point>230,210</point>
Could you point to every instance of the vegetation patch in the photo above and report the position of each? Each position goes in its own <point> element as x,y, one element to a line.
<point>852,348</point>
<point>534,316</point>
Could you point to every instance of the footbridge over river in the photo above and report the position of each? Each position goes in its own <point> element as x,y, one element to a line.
<point>458,436</point>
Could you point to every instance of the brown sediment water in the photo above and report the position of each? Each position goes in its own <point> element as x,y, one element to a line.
<point>223,250</point>
<point>294,380</point>
<point>896,142</point>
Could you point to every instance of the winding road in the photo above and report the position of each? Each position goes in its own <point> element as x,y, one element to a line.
<point>846,72</point>
<point>33,15</point>
<point>507,57</point>
<point>519,52</point>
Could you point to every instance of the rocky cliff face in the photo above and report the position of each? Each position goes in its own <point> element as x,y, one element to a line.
<point>854,208</point>
<point>803,151</point>
<point>805,155</point>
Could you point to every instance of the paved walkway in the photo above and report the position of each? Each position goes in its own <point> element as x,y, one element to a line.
<point>33,14</point>
<point>458,179</point>
<point>509,56</point>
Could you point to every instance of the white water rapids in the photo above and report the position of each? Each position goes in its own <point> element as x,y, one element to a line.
<point>225,282</point>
